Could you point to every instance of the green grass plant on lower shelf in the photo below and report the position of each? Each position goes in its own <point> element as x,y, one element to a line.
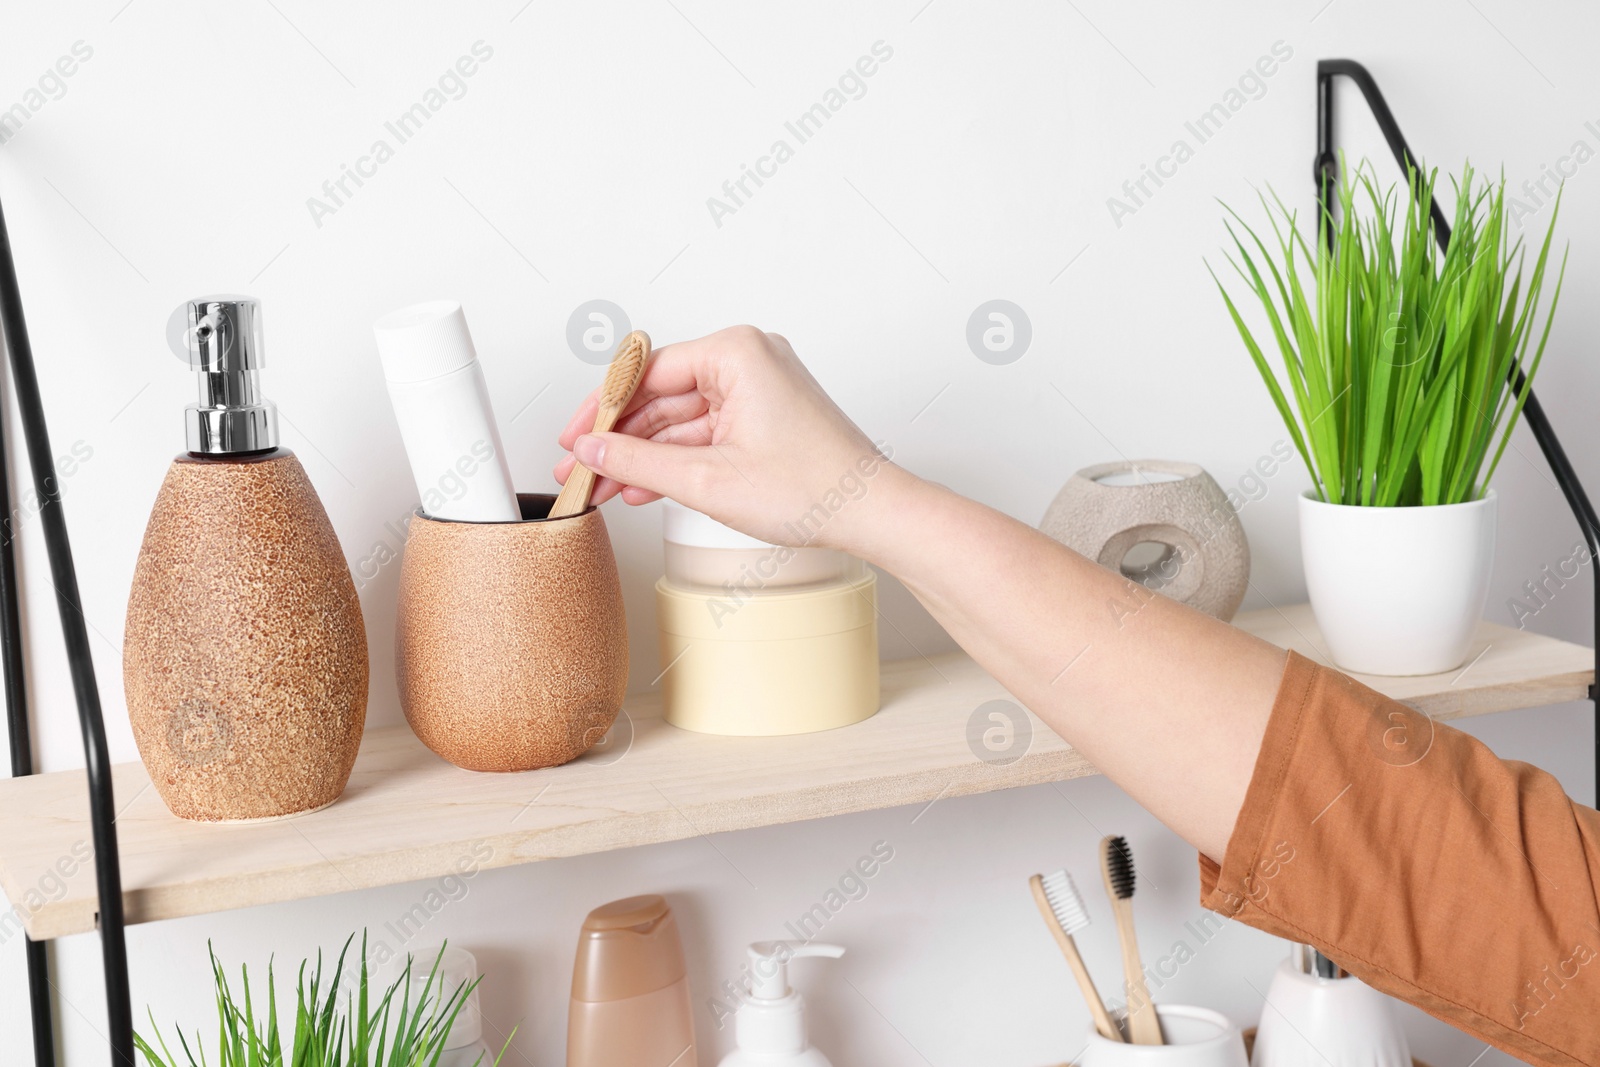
<point>329,1031</point>
<point>1397,355</point>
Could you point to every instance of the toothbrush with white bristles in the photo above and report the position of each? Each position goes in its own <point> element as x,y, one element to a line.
<point>1064,913</point>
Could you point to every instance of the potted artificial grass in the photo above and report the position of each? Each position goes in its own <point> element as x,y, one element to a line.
<point>1398,358</point>
<point>397,1026</point>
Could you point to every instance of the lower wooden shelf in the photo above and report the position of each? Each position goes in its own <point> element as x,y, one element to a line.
<point>408,816</point>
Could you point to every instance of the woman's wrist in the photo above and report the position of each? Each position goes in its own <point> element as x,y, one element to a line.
<point>880,519</point>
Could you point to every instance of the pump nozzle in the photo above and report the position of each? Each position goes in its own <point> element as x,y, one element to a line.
<point>770,1026</point>
<point>769,964</point>
<point>225,350</point>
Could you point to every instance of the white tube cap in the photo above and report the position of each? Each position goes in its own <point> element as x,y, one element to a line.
<point>424,341</point>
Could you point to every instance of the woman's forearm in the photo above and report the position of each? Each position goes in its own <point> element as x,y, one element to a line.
<point>1168,702</point>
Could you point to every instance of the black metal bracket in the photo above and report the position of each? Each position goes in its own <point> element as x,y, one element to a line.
<point>1325,172</point>
<point>20,736</point>
<point>97,760</point>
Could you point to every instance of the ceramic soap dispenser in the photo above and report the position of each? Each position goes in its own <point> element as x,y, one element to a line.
<point>245,658</point>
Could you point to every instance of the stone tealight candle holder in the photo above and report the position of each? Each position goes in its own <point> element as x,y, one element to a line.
<point>1192,546</point>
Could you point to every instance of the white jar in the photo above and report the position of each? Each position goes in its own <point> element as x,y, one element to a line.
<point>457,968</point>
<point>703,555</point>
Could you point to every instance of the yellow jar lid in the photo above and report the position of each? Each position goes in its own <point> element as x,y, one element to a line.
<point>766,616</point>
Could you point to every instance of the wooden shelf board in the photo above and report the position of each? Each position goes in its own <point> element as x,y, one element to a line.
<point>409,816</point>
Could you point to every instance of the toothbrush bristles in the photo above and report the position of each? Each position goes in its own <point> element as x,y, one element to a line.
<point>1119,866</point>
<point>1065,901</point>
<point>626,365</point>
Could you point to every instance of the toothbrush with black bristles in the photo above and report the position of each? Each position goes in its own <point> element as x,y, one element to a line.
<point>1116,863</point>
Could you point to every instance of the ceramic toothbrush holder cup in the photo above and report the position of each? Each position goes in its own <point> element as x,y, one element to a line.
<point>511,647</point>
<point>1195,1037</point>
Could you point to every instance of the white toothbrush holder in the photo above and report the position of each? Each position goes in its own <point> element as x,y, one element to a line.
<point>1195,1037</point>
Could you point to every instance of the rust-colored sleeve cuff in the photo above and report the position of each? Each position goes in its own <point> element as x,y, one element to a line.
<point>1424,864</point>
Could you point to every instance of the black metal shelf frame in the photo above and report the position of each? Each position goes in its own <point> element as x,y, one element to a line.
<point>102,806</point>
<point>1325,174</point>
<point>80,661</point>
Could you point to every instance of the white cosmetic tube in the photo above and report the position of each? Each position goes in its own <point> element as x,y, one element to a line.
<point>446,422</point>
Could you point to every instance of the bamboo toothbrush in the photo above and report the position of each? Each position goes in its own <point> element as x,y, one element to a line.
<point>622,378</point>
<point>1062,907</point>
<point>1116,863</point>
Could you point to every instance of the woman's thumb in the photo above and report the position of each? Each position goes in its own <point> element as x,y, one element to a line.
<point>674,471</point>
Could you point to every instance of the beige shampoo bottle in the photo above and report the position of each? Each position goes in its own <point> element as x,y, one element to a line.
<point>630,989</point>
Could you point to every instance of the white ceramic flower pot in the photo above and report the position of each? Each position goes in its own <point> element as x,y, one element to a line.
<point>1398,590</point>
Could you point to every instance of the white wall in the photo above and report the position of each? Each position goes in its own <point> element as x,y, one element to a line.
<point>577,166</point>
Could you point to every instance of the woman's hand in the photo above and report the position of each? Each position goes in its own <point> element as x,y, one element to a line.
<point>733,425</point>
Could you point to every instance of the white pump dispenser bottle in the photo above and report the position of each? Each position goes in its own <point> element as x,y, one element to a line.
<point>770,1026</point>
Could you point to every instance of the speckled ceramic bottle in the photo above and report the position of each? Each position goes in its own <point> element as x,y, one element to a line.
<point>245,657</point>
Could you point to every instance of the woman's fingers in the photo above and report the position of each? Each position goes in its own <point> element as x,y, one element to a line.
<point>731,425</point>
<point>662,412</point>
<point>582,420</point>
<point>696,431</point>
<point>690,366</point>
<point>682,369</point>
<point>687,474</point>
<point>635,496</point>
<point>605,489</point>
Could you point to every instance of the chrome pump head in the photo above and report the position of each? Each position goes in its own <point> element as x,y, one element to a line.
<point>1308,960</point>
<point>223,338</point>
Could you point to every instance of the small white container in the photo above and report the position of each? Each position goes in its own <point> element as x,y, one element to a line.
<point>1195,1037</point>
<point>457,968</point>
<point>703,555</point>
<point>1398,591</point>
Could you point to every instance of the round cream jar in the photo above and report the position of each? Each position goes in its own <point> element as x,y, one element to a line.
<point>762,640</point>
